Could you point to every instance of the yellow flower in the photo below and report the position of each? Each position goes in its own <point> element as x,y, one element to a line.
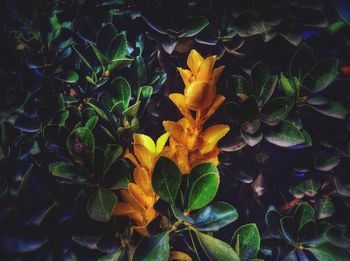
<point>139,198</point>
<point>189,144</point>
<point>200,81</point>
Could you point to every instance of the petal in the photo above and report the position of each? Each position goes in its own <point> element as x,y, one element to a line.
<point>144,156</point>
<point>177,255</point>
<point>211,136</point>
<point>198,96</point>
<point>143,180</point>
<point>145,141</point>
<point>194,60</point>
<point>176,131</point>
<point>216,74</point>
<point>132,158</point>
<point>123,209</point>
<point>129,199</point>
<point>161,141</point>
<point>137,193</point>
<point>179,100</point>
<point>181,158</point>
<point>205,69</point>
<point>207,113</point>
<point>185,75</point>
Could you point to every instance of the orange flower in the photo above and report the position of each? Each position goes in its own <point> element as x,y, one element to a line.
<point>190,145</point>
<point>139,198</point>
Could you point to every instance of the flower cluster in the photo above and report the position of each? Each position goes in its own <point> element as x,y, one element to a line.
<point>189,144</point>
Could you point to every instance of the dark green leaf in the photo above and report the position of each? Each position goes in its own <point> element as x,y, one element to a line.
<point>105,37</point>
<point>166,179</point>
<point>111,154</point>
<point>215,216</point>
<point>308,187</point>
<point>122,92</point>
<point>276,109</point>
<point>324,208</point>
<point>68,76</point>
<point>67,170</point>
<point>118,48</point>
<point>81,143</point>
<point>303,214</point>
<point>153,248</point>
<point>194,26</point>
<point>203,185</point>
<point>216,249</point>
<point>289,86</point>
<point>118,255</point>
<point>248,239</point>
<point>332,109</point>
<point>302,62</point>
<point>91,123</point>
<point>327,160</point>
<point>285,134</point>
<point>323,74</point>
<point>101,204</point>
<point>328,252</point>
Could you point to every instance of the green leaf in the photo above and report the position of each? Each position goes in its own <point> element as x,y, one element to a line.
<point>215,216</point>
<point>327,160</point>
<point>91,123</point>
<point>239,84</point>
<point>68,76</point>
<point>289,86</point>
<point>203,185</point>
<point>118,48</point>
<point>276,109</point>
<point>194,26</point>
<point>303,214</point>
<point>67,170</point>
<point>286,134</point>
<point>323,74</point>
<point>302,62</point>
<point>93,104</point>
<point>308,187</point>
<point>153,248</point>
<point>324,208</point>
<point>118,255</point>
<point>216,249</point>
<point>338,237</point>
<point>111,154</point>
<point>104,38</point>
<point>328,252</point>
<point>122,92</point>
<point>100,57</point>
<point>118,64</point>
<point>81,143</point>
<point>138,68</point>
<point>332,109</point>
<point>101,204</point>
<point>166,179</point>
<point>249,241</point>
<point>117,175</point>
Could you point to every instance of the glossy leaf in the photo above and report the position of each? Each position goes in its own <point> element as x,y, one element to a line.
<point>101,204</point>
<point>247,238</point>
<point>194,26</point>
<point>327,252</point>
<point>323,74</point>
<point>215,216</point>
<point>286,134</point>
<point>203,185</point>
<point>166,179</point>
<point>153,248</point>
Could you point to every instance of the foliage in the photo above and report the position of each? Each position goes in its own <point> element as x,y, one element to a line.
<point>180,130</point>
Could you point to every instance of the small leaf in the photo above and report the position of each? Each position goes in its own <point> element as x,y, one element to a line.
<point>303,214</point>
<point>328,252</point>
<point>166,179</point>
<point>81,143</point>
<point>332,109</point>
<point>194,26</point>
<point>323,74</point>
<point>216,249</point>
<point>118,48</point>
<point>327,160</point>
<point>285,134</point>
<point>153,248</point>
<point>105,37</point>
<point>67,170</point>
<point>111,154</point>
<point>215,216</point>
<point>308,187</point>
<point>302,62</point>
<point>101,204</point>
<point>68,76</point>
<point>203,185</point>
<point>276,109</point>
<point>91,123</point>
<point>249,241</point>
<point>324,208</point>
<point>289,86</point>
<point>122,92</point>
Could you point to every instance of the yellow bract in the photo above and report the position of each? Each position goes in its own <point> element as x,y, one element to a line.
<point>190,144</point>
<point>139,198</point>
